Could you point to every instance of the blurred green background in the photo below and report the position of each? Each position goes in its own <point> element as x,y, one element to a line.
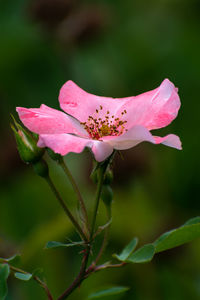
<point>110,48</point>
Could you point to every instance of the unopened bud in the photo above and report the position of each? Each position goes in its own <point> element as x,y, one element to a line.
<point>26,144</point>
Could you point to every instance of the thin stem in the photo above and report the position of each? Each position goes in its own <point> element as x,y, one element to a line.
<point>82,273</point>
<point>97,199</point>
<point>79,278</point>
<point>101,167</point>
<point>65,208</point>
<point>36,278</point>
<point>93,269</point>
<point>76,189</point>
<point>103,246</point>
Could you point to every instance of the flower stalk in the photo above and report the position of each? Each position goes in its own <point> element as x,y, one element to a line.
<point>65,208</point>
<point>59,159</point>
<point>101,173</point>
<point>77,191</point>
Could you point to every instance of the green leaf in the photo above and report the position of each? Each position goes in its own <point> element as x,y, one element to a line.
<point>4,273</point>
<point>14,260</point>
<point>143,254</point>
<point>192,221</point>
<point>108,292</point>
<point>127,250</point>
<point>23,276</point>
<point>53,244</point>
<point>184,234</point>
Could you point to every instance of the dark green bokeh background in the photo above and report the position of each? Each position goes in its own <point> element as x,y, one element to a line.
<point>110,48</point>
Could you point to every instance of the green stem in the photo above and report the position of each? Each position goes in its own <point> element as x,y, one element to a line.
<point>93,269</point>
<point>76,189</point>
<point>65,208</point>
<point>102,170</point>
<point>36,278</point>
<point>104,243</point>
<point>79,278</point>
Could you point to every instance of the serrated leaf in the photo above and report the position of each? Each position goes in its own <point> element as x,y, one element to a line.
<point>143,254</point>
<point>53,244</point>
<point>14,260</point>
<point>108,292</point>
<point>127,250</point>
<point>23,276</point>
<point>4,273</point>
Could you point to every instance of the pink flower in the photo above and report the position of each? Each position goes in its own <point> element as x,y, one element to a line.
<point>103,123</point>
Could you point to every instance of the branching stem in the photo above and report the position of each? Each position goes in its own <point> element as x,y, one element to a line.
<point>79,278</point>
<point>36,278</point>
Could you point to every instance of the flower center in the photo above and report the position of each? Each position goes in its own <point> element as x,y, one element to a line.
<point>98,127</point>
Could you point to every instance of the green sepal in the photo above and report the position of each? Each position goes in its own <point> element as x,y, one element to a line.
<point>26,144</point>
<point>4,273</point>
<point>101,167</point>
<point>55,156</point>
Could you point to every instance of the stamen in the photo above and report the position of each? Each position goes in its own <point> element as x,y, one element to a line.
<point>106,126</point>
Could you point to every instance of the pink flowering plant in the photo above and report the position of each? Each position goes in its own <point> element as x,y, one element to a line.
<point>105,126</point>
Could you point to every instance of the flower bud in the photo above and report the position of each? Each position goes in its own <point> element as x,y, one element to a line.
<point>26,144</point>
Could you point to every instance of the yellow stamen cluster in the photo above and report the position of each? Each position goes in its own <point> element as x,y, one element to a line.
<point>108,126</point>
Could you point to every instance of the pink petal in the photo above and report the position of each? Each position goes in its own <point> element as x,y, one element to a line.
<point>170,140</point>
<point>46,120</point>
<point>131,138</point>
<point>101,150</point>
<point>153,109</point>
<point>65,143</point>
<point>138,134</point>
<point>80,104</point>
